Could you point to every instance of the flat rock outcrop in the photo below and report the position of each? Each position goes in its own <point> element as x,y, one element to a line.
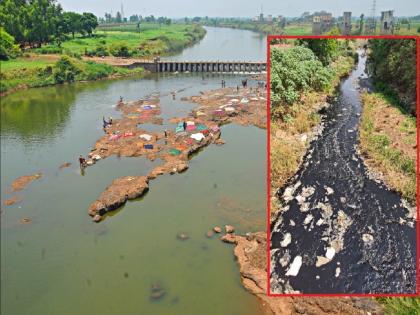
<point>126,137</point>
<point>117,194</point>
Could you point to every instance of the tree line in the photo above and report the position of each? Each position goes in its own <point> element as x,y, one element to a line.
<point>135,18</point>
<point>392,64</point>
<point>35,22</point>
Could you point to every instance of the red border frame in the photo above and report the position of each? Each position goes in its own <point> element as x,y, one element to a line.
<point>417,38</point>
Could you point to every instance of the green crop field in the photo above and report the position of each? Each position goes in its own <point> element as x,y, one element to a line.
<point>298,29</point>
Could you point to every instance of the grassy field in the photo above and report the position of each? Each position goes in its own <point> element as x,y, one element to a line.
<point>298,29</point>
<point>36,68</point>
<point>151,40</point>
<point>388,143</point>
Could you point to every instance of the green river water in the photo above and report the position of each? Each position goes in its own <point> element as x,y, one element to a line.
<point>63,263</point>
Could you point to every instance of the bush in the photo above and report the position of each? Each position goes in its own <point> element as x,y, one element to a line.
<point>49,50</point>
<point>326,50</point>
<point>65,70</point>
<point>101,51</point>
<point>8,49</point>
<point>391,62</point>
<point>94,71</point>
<point>120,50</point>
<point>296,70</point>
<point>72,54</point>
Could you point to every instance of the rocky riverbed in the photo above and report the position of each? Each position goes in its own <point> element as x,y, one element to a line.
<point>127,137</point>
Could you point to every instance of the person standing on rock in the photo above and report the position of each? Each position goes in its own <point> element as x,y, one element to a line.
<point>184,124</point>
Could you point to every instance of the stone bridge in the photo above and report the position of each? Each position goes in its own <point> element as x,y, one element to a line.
<point>199,66</point>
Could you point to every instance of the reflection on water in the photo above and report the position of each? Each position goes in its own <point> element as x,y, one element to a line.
<point>62,263</point>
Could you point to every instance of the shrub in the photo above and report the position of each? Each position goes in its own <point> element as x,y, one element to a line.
<point>391,63</point>
<point>94,71</point>
<point>49,50</point>
<point>326,50</point>
<point>120,50</point>
<point>294,71</point>
<point>8,49</point>
<point>65,70</point>
<point>101,51</point>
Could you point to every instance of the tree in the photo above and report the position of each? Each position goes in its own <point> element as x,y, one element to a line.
<point>43,17</point>
<point>118,18</point>
<point>134,18</point>
<point>361,23</point>
<point>391,64</point>
<point>325,49</point>
<point>13,18</point>
<point>88,22</point>
<point>72,22</point>
<point>8,49</point>
<point>108,18</point>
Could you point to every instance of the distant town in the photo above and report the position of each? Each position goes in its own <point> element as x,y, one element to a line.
<point>317,23</point>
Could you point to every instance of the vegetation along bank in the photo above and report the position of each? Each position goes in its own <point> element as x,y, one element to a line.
<point>43,49</point>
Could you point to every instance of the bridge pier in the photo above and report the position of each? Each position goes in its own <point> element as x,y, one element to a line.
<point>199,66</point>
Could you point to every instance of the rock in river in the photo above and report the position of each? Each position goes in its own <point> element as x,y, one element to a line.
<point>217,229</point>
<point>117,194</point>
<point>229,229</point>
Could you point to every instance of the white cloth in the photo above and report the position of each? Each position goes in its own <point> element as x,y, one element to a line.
<point>146,137</point>
<point>197,136</point>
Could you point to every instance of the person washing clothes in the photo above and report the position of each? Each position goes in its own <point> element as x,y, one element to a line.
<point>82,161</point>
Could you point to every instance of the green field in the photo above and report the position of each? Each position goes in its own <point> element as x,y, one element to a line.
<point>33,71</point>
<point>298,29</point>
<point>151,40</point>
<point>37,67</point>
<point>24,63</point>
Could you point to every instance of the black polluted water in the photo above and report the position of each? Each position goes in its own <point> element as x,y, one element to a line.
<point>341,230</point>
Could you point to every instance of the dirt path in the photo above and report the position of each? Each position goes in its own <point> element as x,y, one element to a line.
<point>340,231</point>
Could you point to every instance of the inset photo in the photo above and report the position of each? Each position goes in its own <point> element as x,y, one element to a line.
<point>342,171</point>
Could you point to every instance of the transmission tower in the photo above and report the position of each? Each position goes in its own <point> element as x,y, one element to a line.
<point>122,11</point>
<point>372,21</point>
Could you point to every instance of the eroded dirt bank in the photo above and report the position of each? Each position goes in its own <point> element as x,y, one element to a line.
<point>174,147</point>
<point>250,251</point>
<point>339,230</point>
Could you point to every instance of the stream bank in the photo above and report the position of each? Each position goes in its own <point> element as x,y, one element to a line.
<point>324,230</point>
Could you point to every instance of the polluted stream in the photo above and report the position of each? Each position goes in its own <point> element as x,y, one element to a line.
<point>340,230</point>
<point>132,262</point>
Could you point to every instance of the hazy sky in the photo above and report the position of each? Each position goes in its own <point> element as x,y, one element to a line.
<point>239,8</point>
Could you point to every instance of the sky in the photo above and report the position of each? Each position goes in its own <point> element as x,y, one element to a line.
<point>239,8</point>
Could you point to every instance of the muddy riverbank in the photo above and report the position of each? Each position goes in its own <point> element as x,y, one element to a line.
<point>334,218</point>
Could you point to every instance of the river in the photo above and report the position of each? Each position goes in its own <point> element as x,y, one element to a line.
<point>335,210</point>
<point>63,263</point>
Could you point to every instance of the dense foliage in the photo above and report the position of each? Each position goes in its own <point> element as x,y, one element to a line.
<point>8,49</point>
<point>294,71</point>
<point>35,22</point>
<point>326,50</point>
<point>392,66</point>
